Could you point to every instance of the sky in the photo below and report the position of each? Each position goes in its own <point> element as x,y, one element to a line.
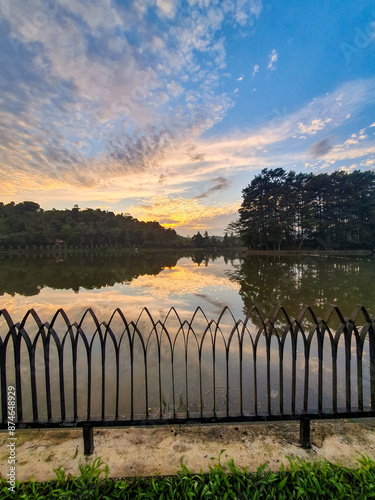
<point>167,109</point>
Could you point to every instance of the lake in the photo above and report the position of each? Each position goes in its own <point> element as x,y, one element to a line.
<point>160,280</point>
<point>184,280</point>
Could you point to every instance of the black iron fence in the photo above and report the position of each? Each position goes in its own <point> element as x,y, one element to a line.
<point>148,371</point>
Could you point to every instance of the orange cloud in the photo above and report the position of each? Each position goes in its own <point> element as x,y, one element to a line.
<point>181,212</point>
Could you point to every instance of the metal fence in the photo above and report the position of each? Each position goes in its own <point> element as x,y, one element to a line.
<point>148,371</point>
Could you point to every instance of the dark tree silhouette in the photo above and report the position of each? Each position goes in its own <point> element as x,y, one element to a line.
<point>289,210</point>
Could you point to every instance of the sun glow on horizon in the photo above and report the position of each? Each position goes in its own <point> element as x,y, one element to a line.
<point>182,213</point>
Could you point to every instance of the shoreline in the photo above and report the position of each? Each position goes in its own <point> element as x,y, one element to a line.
<point>117,251</point>
<point>313,253</point>
<point>217,250</point>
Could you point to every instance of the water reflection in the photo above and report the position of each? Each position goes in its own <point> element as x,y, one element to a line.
<point>28,276</point>
<point>130,281</point>
<point>261,280</point>
<point>267,281</point>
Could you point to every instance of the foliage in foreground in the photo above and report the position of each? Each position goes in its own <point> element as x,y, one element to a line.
<point>299,480</point>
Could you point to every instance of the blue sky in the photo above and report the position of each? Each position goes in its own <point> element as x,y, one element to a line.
<point>167,109</point>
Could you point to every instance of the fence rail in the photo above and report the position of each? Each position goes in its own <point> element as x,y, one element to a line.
<point>92,373</point>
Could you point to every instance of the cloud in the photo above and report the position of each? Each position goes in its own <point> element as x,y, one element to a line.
<point>246,10</point>
<point>167,7</point>
<point>331,109</point>
<point>84,101</point>
<point>314,127</point>
<point>350,168</point>
<point>255,69</point>
<point>196,157</point>
<point>161,161</point>
<point>175,88</point>
<point>320,148</point>
<point>273,57</point>
<point>221,183</point>
<point>187,213</point>
<point>270,145</point>
<point>343,153</point>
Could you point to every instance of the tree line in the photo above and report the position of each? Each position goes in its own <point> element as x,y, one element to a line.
<point>283,210</point>
<point>205,241</point>
<point>27,224</point>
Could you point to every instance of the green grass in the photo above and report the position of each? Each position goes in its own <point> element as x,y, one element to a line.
<point>299,480</point>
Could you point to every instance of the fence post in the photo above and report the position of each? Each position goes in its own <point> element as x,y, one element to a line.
<point>304,433</point>
<point>371,336</point>
<point>88,439</point>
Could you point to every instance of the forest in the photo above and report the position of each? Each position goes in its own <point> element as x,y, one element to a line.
<point>27,224</point>
<point>288,210</point>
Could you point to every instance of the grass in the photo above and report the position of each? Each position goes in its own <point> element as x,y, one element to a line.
<point>299,480</point>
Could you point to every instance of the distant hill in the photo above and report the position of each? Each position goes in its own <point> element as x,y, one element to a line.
<point>27,223</point>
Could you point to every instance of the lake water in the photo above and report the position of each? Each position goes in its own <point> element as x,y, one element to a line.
<point>185,281</point>
<point>159,281</point>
